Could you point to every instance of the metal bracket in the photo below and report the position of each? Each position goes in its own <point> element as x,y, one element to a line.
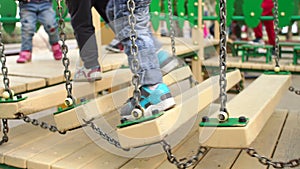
<point>140,120</point>
<point>14,99</point>
<point>231,122</point>
<point>63,108</point>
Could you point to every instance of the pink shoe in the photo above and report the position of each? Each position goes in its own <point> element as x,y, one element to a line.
<point>56,49</point>
<point>25,56</point>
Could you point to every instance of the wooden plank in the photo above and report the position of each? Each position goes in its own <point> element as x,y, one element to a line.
<point>22,135</point>
<point>225,158</point>
<point>40,67</point>
<point>101,105</point>
<point>17,87</point>
<point>132,136</point>
<point>80,158</point>
<point>31,83</point>
<point>270,89</point>
<point>53,96</point>
<point>180,149</point>
<point>218,158</point>
<point>97,26</point>
<point>18,157</point>
<point>69,145</point>
<point>23,84</point>
<point>44,66</point>
<point>288,145</point>
<point>103,155</point>
<point>189,147</point>
<point>265,143</point>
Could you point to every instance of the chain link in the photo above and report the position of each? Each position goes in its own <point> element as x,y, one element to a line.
<point>172,32</point>
<point>104,135</point>
<point>64,47</point>
<point>5,131</point>
<point>276,22</point>
<point>182,163</point>
<point>42,124</point>
<point>266,161</point>
<point>135,66</point>
<point>223,53</point>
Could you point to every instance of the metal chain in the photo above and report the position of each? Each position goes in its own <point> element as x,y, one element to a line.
<point>172,32</point>
<point>42,124</point>
<point>135,66</point>
<point>266,161</point>
<point>64,47</point>
<point>292,89</point>
<point>5,131</point>
<point>223,55</point>
<point>104,135</point>
<point>184,162</point>
<point>276,23</point>
<point>4,68</point>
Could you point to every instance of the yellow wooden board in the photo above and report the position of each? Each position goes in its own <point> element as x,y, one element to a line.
<point>257,102</point>
<point>288,145</point>
<point>44,66</point>
<point>17,87</point>
<point>30,83</point>
<point>236,158</point>
<point>53,96</point>
<point>265,143</point>
<point>188,104</point>
<point>22,135</point>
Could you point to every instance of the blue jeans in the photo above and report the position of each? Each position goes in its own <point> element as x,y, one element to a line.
<point>42,12</point>
<point>117,13</point>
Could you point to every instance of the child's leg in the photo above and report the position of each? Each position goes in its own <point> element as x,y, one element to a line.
<point>269,26</point>
<point>100,6</point>
<point>155,95</point>
<point>149,67</point>
<point>28,22</point>
<point>46,16</point>
<point>82,23</point>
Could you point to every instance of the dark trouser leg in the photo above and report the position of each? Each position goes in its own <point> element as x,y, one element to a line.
<point>81,20</point>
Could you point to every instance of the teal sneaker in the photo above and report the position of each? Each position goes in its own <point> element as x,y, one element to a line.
<point>152,101</point>
<point>167,62</point>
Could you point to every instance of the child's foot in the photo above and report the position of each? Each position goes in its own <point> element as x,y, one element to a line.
<point>258,41</point>
<point>24,57</point>
<point>167,62</point>
<point>115,46</point>
<point>154,99</point>
<point>56,49</point>
<point>88,75</point>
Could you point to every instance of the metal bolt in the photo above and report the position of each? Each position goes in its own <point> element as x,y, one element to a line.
<point>205,119</point>
<point>242,119</point>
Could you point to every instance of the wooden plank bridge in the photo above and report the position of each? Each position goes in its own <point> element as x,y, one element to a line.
<point>33,147</point>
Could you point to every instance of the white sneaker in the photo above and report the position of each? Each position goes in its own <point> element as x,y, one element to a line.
<point>87,75</point>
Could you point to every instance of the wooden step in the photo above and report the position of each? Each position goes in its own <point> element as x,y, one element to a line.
<point>73,118</point>
<point>55,95</point>
<point>257,102</point>
<point>187,106</point>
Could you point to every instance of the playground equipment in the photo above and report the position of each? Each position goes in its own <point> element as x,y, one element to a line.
<point>163,126</point>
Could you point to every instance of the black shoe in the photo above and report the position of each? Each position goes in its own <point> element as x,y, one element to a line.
<point>115,46</point>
